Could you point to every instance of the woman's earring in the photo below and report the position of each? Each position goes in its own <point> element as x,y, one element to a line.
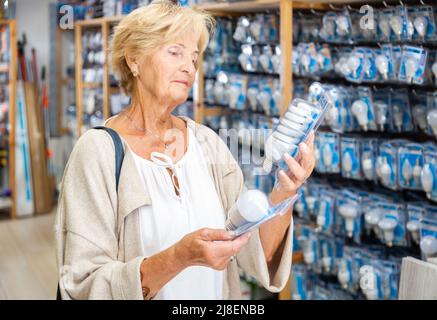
<point>135,73</point>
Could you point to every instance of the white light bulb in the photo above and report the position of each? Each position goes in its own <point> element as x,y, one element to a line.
<point>417,170</point>
<point>251,97</point>
<point>421,25</point>
<point>344,67</point>
<point>413,226</point>
<point>367,167</point>
<point>381,62</point>
<point>234,95</point>
<point>368,286</point>
<point>321,220</point>
<point>299,207</point>
<point>398,117</point>
<point>354,63</point>
<point>311,202</point>
<point>360,110</point>
<point>349,213</point>
<point>343,275</point>
<point>432,121</point>
<point>419,114</point>
<point>265,62</point>
<point>372,218</point>
<point>381,115</point>
<point>321,60</point>
<point>329,27</point>
<point>434,70</point>
<point>396,25</point>
<point>305,60</point>
<point>255,29</point>
<point>277,98</point>
<point>427,179</point>
<point>428,245</point>
<point>410,29</point>
<point>326,260</point>
<point>308,252</point>
<point>264,99</point>
<point>388,226</point>
<point>384,25</point>
<point>327,156</point>
<point>347,164</point>
<point>332,116</point>
<point>342,25</point>
<point>251,206</point>
<point>385,172</point>
<point>276,62</point>
<point>243,59</point>
<point>407,172</point>
<point>410,69</point>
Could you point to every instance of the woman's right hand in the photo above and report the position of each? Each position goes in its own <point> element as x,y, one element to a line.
<point>212,248</point>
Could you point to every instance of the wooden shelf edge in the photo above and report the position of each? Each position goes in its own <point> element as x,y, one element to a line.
<point>242,6</point>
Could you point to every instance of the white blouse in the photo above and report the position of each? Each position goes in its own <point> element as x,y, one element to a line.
<point>170,216</point>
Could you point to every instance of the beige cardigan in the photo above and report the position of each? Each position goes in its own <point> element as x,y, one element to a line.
<point>97,229</point>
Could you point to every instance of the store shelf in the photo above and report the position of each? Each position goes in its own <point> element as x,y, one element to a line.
<point>91,85</point>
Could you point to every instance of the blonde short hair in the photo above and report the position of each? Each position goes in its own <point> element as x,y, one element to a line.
<point>147,28</point>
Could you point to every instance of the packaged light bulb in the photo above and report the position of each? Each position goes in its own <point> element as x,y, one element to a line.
<point>412,65</point>
<point>308,58</point>
<point>415,213</point>
<point>384,62</point>
<point>410,163</point>
<point>356,64</point>
<point>370,73</point>
<point>343,26</point>
<point>384,28</point>
<point>418,111</point>
<point>428,175</point>
<point>325,214</point>
<point>386,165</point>
<point>363,109</point>
<point>329,152</point>
<point>242,32</point>
<point>252,209</point>
<point>328,32</point>
<point>296,124</point>
<point>400,111</point>
<point>300,283</point>
<point>350,158</point>
<point>399,22</point>
<point>392,224</point>
<point>327,258</point>
<point>324,59</point>
<point>424,23</point>
<point>349,209</point>
<point>428,237</point>
<point>369,151</point>
<point>382,102</point>
<point>237,91</point>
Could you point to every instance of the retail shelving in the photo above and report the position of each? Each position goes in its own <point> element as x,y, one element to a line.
<point>11,111</point>
<point>103,25</point>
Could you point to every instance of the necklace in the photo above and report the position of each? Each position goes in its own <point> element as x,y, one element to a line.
<point>146,130</point>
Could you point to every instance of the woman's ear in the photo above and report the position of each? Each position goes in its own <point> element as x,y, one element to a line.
<point>132,63</point>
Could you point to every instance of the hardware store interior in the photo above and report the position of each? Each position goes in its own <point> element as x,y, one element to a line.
<point>361,74</point>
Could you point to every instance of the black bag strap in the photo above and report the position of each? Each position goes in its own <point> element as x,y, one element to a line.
<point>119,156</point>
<point>119,151</point>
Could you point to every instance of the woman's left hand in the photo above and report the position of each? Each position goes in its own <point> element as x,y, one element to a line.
<point>298,171</point>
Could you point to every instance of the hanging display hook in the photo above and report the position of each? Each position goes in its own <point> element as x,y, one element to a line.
<point>332,7</point>
<point>385,4</point>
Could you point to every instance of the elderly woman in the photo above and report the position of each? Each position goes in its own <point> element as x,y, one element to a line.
<point>161,233</point>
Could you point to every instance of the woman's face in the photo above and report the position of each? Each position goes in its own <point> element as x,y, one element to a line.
<point>169,73</point>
